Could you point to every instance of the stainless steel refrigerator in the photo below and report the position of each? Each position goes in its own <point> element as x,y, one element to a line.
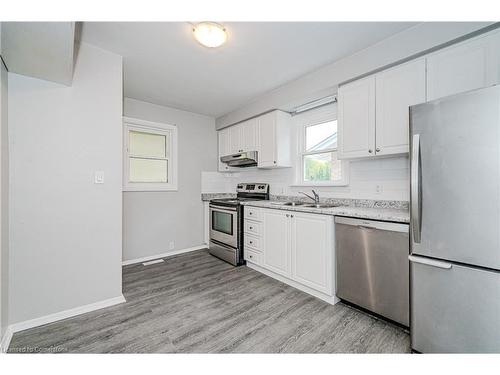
<point>455,223</point>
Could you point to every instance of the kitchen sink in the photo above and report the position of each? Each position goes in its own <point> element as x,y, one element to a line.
<point>293,204</point>
<point>322,205</point>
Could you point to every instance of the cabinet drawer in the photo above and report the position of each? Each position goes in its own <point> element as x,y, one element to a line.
<point>253,227</point>
<point>253,213</point>
<point>253,242</point>
<point>252,256</point>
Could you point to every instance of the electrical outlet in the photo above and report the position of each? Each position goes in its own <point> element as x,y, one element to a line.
<point>99,177</point>
<point>171,246</point>
<point>378,189</point>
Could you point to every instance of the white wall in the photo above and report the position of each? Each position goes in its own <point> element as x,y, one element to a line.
<point>151,220</point>
<point>391,175</point>
<point>325,80</point>
<point>66,231</point>
<point>4,199</point>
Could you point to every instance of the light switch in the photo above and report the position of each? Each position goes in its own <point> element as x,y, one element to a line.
<point>99,177</point>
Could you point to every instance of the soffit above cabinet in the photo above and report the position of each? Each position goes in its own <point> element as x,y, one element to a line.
<point>43,50</point>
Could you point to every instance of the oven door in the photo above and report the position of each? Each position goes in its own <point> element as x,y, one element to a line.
<point>224,225</point>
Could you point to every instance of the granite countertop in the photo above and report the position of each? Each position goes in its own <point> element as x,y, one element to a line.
<point>374,213</point>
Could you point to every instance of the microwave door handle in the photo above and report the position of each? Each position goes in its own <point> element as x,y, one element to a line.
<point>415,188</point>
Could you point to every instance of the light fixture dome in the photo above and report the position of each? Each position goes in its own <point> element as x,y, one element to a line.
<point>210,34</point>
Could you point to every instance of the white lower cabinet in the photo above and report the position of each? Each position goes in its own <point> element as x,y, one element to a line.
<point>276,241</point>
<point>312,250</point>
<point>297,246</point>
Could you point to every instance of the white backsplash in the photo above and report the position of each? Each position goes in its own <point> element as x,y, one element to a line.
<point>390,176</point>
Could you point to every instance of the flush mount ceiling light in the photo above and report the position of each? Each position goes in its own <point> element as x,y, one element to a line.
<point>210,34</point>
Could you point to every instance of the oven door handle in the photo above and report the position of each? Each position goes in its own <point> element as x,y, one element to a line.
<point>223,208</point>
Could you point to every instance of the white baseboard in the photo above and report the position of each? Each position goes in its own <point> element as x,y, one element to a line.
<point>163,255</point>
<point>332,300</point>
<point>4,345</point>
<point>21,326</point>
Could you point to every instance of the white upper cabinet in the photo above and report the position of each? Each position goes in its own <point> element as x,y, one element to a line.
<point>268,134</point>
<point>396,90</point>
<point>466,66</point>
<point>274,130</point>
<point>224,148</point>
<point>267,141</point>
<point>374,111</point>
<point>224,142</point>
<point>236,139</point>
<point>243,137</point>
<point>249,135</point>
<point>356,119</point>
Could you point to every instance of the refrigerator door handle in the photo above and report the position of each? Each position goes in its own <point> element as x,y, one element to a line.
<point>430,262</point>
<point>415,188</point>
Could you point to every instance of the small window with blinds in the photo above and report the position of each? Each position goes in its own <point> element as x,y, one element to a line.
<point>149,160</point>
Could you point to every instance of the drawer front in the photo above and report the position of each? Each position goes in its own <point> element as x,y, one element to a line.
<point>253,227</point>
<point>253,242</point>
<point>252,256</point>
<point>253,213</point>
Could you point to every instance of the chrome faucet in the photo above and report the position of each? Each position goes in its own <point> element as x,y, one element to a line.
<point>315,198</point>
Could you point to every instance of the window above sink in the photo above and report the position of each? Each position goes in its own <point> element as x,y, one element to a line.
<point>317,164</point>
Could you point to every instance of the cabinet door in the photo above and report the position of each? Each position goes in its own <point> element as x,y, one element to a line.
<point>249,135</point>
<point>267,140</point>
<point>235,136</point>
<point>357,119</point>
<point>467,66</point>
<point>224,145</point>
<point>396,90</point>
<point>312,249</point>
<point>224,148</point>
<point>276,239</point>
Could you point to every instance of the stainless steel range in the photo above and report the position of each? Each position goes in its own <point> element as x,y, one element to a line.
<point>226,222</point>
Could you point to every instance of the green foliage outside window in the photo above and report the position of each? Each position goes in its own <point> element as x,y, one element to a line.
<point>317,170</point>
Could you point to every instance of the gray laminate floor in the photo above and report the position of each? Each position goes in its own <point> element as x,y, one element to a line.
<point>196,303</point>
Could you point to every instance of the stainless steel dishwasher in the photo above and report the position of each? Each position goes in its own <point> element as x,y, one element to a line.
<point>373,267</point>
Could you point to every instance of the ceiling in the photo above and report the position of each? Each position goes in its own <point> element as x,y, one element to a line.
<point>163,64</point>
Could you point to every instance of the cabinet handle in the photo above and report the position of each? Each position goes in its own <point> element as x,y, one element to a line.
<point>377,149</point>
<point>250,213</point>
<point>250,242</point>
<point>370,151</point>
<point>291,215</point>
<point>251,227</point>
<point>274,162</point>
<point>250,256</point>
<point>287,215</point>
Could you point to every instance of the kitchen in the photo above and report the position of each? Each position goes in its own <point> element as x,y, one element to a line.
<point>314,212</point>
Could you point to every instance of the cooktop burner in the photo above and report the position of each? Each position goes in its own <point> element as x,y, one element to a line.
<point>245,193</point>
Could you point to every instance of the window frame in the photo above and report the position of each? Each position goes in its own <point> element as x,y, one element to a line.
<point>133,124</point>
<point>312,118</point>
